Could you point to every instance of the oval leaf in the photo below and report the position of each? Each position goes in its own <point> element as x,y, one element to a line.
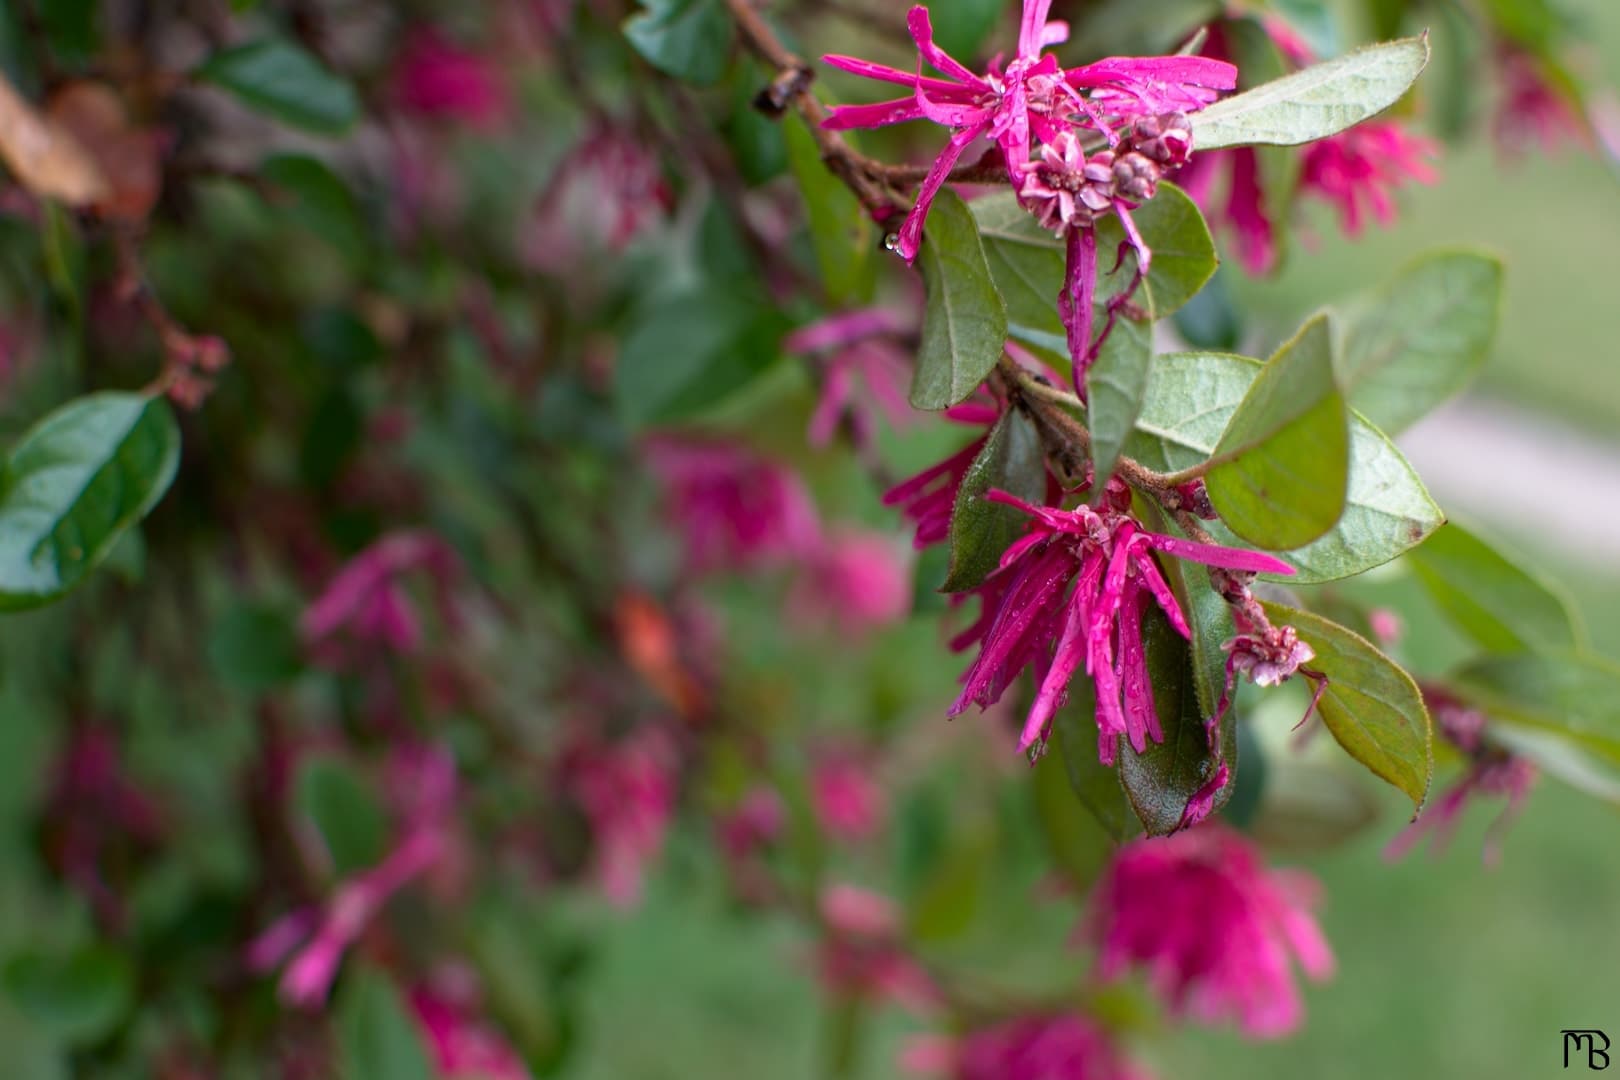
<point>79,998</point>
<point>1371,706</point>
<point>689,39</point>
<point>964,322</point>
<point>1013,461</point>
<point>1387,510</point>
<point>1096,785</point>
<point>73,484</point>
<point>1421,337</point>
<point>1321,100</point>
<point>277,77</point>
<point>841,233</point>
<point>1116,383</point>
<point>1286,451</point>
<point>1491,598</point>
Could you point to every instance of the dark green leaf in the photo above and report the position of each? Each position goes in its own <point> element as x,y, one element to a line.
<point>280,78</point>
<point>1162,779</point>
<point>1096,785</point>
<point>1421,337</point>
<point>1013,461</point>
<point>1188,404</point>
<point>1490,597</point>
<point>964,323</point>
<point>1210,320</point>
<point>79,998</point>
<point>1116,382</point>
<point>689,39</point>
<point>255,647</point>
<point>687,352</point>
<point>757,142</point>
<point>1323,99</point>
<point>1371,706</point>
<point>74,483</point>
<point>319,199</point>
<point>377,1038</point>
<point>1285,468</point>
<point>345,811</point>
<point>841,233</point>
<point>1075,835</point>
<point>71,26</point>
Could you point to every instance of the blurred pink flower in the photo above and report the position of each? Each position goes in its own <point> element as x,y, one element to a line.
<point>1532,113</point>
<point>864,367</point>
<point>366,603</point>
<point>928,499</point>
<point>861,954</point>
<point>1213,928</point>
<point>1385,625</point>
<point>1358,170</point>
<point>753,824</point>
<point>855,581</point>
<point>627,791</point>
<point>608,191</point>
<point>95,812</point>
<point>1491,771</point>
<point>1041,1046</point>
<point>848,801</point>
<point>436,79</point>
<point>734,510</point>
<point>463,1046</point>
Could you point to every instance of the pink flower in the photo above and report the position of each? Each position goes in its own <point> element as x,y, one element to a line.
<point>1358,170</point>
<point>627,791</point>
<point>1532,112</point>
<point>607,192</point>
<point>1491,771</point>
<point>366,603</point>
<point>1244,212</point>
<point>1032,99</point>
<point>861,954</point>
<point>865,367</point>
<point>328,933</point>
<point>857,581</point>
<point>1039,1046</point>
<point>1033,619</point>
<point>462,1045</point>
<point>734,510</point>
<point>435,79</point>
<point>847,800</point>
<point>929,498</point>
<point>1214,929</point>
<point>752,825</point>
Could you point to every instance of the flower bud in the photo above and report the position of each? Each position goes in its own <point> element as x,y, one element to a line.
<point>1135,177</point>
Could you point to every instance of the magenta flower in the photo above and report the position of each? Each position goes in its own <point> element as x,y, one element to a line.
<point>367,606</point>
<point>627,791</point>
<point>1358,170</point>
<point>752,825</point>
<point>928,499</point>
<point>1213,929</point>
<point>734,510</point>
<point>864,366</point>
<point>1244,211</point>
<point>854,581</point>
<point>1491,771</point>
<point>435,79</point>
<point>463,1046</point>
<point>1039,1046</point>
<point>1033,618</point>
<point>860,953</point>
<point>608,191</point>
<point>1531,112</point>
<point>1032,99</point>
<point>849,803</point>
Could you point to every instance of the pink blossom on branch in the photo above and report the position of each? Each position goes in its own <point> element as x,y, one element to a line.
<point>463,1046</point>
<point>1038,1046</point>
<point>1215,931</point>
<point>854,581</point>
<point>864,366</point>
<point>1358,170</point>
<point>627,790</point>
<point>436,79</point>
<point>366,605</point>
<point>849,803</point>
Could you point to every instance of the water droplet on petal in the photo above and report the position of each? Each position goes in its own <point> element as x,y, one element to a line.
<point>892,241</point>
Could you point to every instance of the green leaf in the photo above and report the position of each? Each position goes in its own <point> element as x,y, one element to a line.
<point>278,77</point>
<point>321,201</point>
<point>1188,404</point>
<point>961,26</point>
<point>686,352</point>
<point>1116,383</point>
<point>79,998</point>
<point>1285,454</point>
<point>377,1038</point>
<point>689,39</point>
<point>1558,756</point>
<point>1421,337</point>
<point>74,483</point>
<point>1096,785</point>
<point>255,647</point>
<point>965,322</point>
<point>1575,696</point>
<point>1371,706</point>
<point>1211,320</point>
<point>1076,837</point>
<point>345,811</point>
<point>1321,100</point>
<point>1161,780</point>
<point>1013,461</point>
<point>757,143</point>
<point>1490,597</point>
<point>841,233</point>
<point>1026,260</point>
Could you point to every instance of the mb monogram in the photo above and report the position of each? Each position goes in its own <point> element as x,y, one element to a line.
<point>1594,1043</point>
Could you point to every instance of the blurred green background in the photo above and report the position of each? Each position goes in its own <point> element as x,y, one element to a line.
<point>1446,968</point>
